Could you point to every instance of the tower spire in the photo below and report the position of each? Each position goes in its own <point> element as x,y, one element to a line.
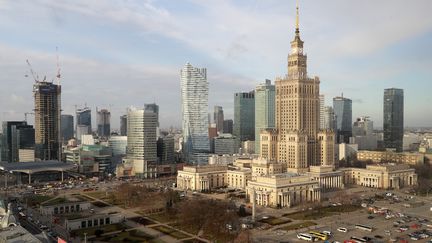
<point>297,18</point>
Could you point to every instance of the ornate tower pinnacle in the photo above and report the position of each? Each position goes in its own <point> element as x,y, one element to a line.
<point>297,18</point>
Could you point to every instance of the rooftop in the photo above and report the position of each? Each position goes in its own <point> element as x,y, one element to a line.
<point>32,167</point>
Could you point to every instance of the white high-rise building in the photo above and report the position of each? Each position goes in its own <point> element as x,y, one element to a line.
<point>194,95</point>
<point>141,149</point>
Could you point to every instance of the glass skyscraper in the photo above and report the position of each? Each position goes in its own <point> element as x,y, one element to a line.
<point>194,102</point>
<point>244,116</point>
<point>83,122</point>
<point>393,119</point>
<point>264,110</point>
<point>67,127</point>
<point>342,108</point>
<point>103,119</point>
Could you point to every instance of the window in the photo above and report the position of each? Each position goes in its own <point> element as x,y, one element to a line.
<point>56,210</point>
<point>107,220</point>
<point>83,224</point>
<point>95,222</point>
<point>89,223</point>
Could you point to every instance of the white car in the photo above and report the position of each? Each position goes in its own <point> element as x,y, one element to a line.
<point>341,229</point>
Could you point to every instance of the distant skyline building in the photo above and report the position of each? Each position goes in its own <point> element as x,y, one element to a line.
<point>226,144</point>
<point>393,122</point>
<point>154,108</point>
<point>165,149</point>
<point>103,120</point>
<point>342,107</point>
<point>83,119</point>
<point>194,103</point>
<point>123,125</point>
<point>228,126</point>
<point>244,116</point>
<point>363,126</point>
<point>218,118</point>
<point>265,114</point>
<point>141,149</point>
<point>67,127</point>
<point>47,101</point>
<point>329,119</point>
<point>17,135</point>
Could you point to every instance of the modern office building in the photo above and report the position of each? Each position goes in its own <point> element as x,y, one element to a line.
<point>83,118</point>
<point>141,142</point>
<point>103,119</point>
<point>67,128</point>
<point>218,118</point>
<point>244,116</point>
<point>18,139</point>
<point>154,108</point>
<point>296,141</point>
<point>363,126</point>
<point>194,102</point>
<point>322,111</point>
<point>393,119</point>
<point>228,126</point>
<point>226,144</point>
<point>47,97</point>
<point>165,149</point>
<point>329,119</point>
<point>264,110</point>
<point>342,107</point>
<point>118,145</point>
<point>123,125</point>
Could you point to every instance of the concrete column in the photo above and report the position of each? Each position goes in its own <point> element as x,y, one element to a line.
<point>29,178</point>
<point>62,175</point>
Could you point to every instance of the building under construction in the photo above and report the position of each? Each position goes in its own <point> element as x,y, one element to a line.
<point>47,120</point>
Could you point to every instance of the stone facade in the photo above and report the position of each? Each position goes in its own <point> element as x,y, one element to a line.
<point>202,178</point>
<point>390,156</point>
<point>283,190</point>
<point>327,176</point>
<point>381,176</point>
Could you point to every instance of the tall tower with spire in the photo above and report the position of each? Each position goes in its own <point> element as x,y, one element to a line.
<point>299,141</point>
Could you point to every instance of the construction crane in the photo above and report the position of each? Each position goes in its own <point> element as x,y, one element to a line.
<point>58,76</point>
<point>27,113</point>
<point>35,76</point>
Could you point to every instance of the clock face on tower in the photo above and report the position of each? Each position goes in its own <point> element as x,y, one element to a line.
<point>297,50</point>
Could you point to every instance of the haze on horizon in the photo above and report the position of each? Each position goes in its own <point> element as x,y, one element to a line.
<point>126,53</point>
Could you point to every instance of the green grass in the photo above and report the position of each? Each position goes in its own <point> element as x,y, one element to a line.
<point>275,221</point>
<point>322,212</point>
<point>171,232</point>
<point>297,226</point>
<point>105,228</point>
<point>191,229</point>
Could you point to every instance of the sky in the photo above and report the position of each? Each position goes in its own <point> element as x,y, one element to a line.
<point>120,53</point>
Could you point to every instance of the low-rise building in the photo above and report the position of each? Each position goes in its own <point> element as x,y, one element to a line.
<point>82,221</point>
<point>17,234</point>
<point>202,178</point>
<point>63,206</point>
<point>283,190</point>
<point>327,176</point>
<point>382,176</point>
<point>391,157</point>
<point>238,178</point>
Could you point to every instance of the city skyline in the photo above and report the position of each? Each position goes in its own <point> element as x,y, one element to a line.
<point>235,57</point>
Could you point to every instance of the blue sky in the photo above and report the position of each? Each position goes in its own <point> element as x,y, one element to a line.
<point>122,53</point>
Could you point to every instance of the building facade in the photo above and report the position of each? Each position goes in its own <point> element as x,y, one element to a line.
<point>342,108</point>
<point>391,156</point>
<point>393,119</point>
<point>228,126</point>
<point>83,119</point>
<point>103,119</point>
<point>17,136</point>
<point>226,144</point>
<point>244,116</point>
<point>67,127</point>
<point>141,142</point>
<point>218,118</point>
<point>47,97</point>
<point>264,110</point>
<point>329,119</point>
<point>384,176</point>
<point>322,110</point>
<point>194,95</point>
<point>123,125</point>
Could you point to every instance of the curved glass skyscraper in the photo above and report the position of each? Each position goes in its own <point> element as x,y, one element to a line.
<point>194,98</point>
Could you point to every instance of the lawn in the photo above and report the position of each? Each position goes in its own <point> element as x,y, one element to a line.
<point>105,228</point>
<point>55,201</point>
<point>297,226</point>
<point>322,212</point>
<point>190,229</point>
<point>171,232</point>
<point>159,217</point>
<point>275,221</point>
<point>37,199</point>
<point>129,236</point>
<point>142,220</point>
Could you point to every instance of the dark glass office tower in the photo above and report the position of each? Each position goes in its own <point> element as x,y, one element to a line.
<point>67,127</point>
<point>123,125</point>
<point>342,108</point>
<point>393,119</point>
<point>16,135</point>
<point>103,120</point>
<point>244,116</point>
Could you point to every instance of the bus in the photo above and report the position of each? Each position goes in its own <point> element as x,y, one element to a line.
<point>364,227</point>
<point>319,235</point>
<point>307,237</point>
<point>358,239</point>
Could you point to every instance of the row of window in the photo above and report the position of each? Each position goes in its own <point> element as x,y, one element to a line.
<point>94,222</point>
